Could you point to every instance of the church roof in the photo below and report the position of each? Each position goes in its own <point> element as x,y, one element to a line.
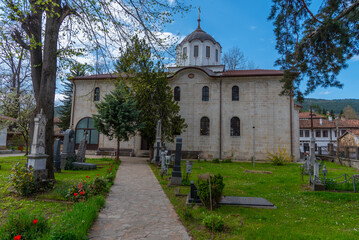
<point>254,72</point>
<point>200,35</point>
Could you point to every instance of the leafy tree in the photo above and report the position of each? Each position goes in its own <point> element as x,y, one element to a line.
<point>117,115</point>
<point>234,60</point>
<point>349,113</point>
<point>24,106</point>
<point>332,114</point>
<point>314,46</point>
<point>77,69</point>
<point>38,25</point>
<point>149,86</point>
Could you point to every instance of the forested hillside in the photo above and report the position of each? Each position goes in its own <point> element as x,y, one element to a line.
<point>336,105</point>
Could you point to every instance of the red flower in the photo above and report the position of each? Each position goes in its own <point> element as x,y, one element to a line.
<point>110,169</point>
<point>75,194</point>
<point>113,166</point>
<point>98,174</point>
<point>18,237</point>
<point>87,176</point>
<point>82,193</point>
<point>34,221</point>
<point>71,210</point>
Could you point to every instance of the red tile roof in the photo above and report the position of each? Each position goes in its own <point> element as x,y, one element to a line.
<point>306,115</point>
<point>354,131</point>
<point>347,124</point>
<point>255,72</point>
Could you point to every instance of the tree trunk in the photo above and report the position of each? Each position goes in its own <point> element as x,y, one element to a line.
<point>118,151</point>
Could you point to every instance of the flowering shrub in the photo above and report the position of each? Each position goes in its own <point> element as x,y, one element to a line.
<point>98,186</point>
<point>23,180</point>
<point>78,192</point>
<point>23,225</point>
<point>280,157</point>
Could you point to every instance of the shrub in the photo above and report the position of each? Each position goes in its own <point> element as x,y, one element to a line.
<point>78,192</point>
<point>216,160</point>
<point>99,186</point>
<point>227,160</point>
<point>279,158</point>
<point>69,161</point>
<point>29,226</point>
<point>23,180</point>
<point>218,222</point>
<point>217,186</point>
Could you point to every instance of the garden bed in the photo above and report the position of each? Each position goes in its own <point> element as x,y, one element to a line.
<point>61,214</point>
<point>300,214</point>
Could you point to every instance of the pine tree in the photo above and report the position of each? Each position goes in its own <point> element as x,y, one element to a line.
<point>117,115</point>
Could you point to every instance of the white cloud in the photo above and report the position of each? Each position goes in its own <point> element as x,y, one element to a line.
<point>171,1</point>
<point>253,27</point>
<point>325,93</point>
<point>355,58</point>
<point>59,97</point>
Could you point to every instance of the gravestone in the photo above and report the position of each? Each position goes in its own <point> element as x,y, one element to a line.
<point>193,197</point>
<point>164,168</point>
<point>37,157</point>
<point>176,178</point>
<point>81,152</point>
<point>68,149</point>
<point>57,156</point>
<point>157,147</point>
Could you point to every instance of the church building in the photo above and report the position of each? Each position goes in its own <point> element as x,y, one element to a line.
<point>229,113</point>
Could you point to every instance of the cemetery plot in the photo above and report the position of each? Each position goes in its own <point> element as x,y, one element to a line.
<point>301,213</point>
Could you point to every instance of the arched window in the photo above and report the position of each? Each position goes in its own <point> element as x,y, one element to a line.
<point>235,93</point>
<point>235,126</point>
<point>87,124</point>
<point>204,126</point>
<point>205,93</point>
<point>177,94</point>
<point>96,96</point>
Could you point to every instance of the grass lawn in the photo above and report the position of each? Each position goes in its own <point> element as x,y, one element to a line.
<point>52,204</point>
<point>300,214</point>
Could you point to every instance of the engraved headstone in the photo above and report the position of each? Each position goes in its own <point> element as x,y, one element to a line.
<point>68,149</point>
<point>176,178</point>
<point>164,168</point>
<point>157,146</point>
<point>80,157</point>
<point>37,157</point>
<point>57,156</point>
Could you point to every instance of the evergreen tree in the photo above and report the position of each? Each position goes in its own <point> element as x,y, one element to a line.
<point>77,69</point>
<point>117,115</point>
<point>150,88</point>
<point>332,114</point>
<point>314,46</point>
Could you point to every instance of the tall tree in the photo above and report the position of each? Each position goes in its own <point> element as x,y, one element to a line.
<point>101,22</point>
<point>149,86</point>
<point>76,69</point>
<point>117,115</point>
<point>314,46</point>
<point>234,59</point>
<point>349,113</point>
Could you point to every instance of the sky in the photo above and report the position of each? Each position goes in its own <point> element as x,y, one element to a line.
<point>244,24</point>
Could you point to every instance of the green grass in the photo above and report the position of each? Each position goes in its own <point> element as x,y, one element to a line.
<point>53,204</point>
<point>300,214</point>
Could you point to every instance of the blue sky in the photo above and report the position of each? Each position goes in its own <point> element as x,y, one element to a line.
<point>244,24</point>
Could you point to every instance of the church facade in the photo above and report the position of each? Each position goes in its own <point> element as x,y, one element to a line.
<point>229,113</point>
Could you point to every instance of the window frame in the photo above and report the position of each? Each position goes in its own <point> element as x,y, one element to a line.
<point>318,133</point>
<point>235,131</point>
<point>177,93</point>
<point>325,133</point>
<point>301,133</point>
<point>208,51</point>
<point>204,126</point>
<point>184,52</point>
<point>307,133</point>
<point>97,94</point>
<point>216,55</point>
<point>235,93</point>
<point>195,50</point>
<point>205,94</point>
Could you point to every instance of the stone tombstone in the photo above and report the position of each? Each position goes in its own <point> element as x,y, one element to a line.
<point>176,178</point>
<point>37,157</point>
<point>57,156</point>
<point>81,152</point>
<point>157,146</point>
<point>193,197</point>
<point>68,149</point>
<point>164,168</point>
<point>189,167</point>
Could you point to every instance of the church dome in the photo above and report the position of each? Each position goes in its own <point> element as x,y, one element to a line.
<point>200,35</point>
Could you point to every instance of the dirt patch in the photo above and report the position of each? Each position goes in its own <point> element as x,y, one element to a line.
<point>256,171</point>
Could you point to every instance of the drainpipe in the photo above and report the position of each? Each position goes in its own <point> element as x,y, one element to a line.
<point>73,105</point>
<point>291,123</point>
<point>220,118</point>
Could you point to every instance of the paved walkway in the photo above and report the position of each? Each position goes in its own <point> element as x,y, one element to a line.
<point>137,207</point>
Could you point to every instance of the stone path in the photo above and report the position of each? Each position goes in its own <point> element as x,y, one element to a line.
<point>137,207</point>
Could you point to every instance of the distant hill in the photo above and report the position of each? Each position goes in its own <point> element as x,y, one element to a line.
<point>336,105</point>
